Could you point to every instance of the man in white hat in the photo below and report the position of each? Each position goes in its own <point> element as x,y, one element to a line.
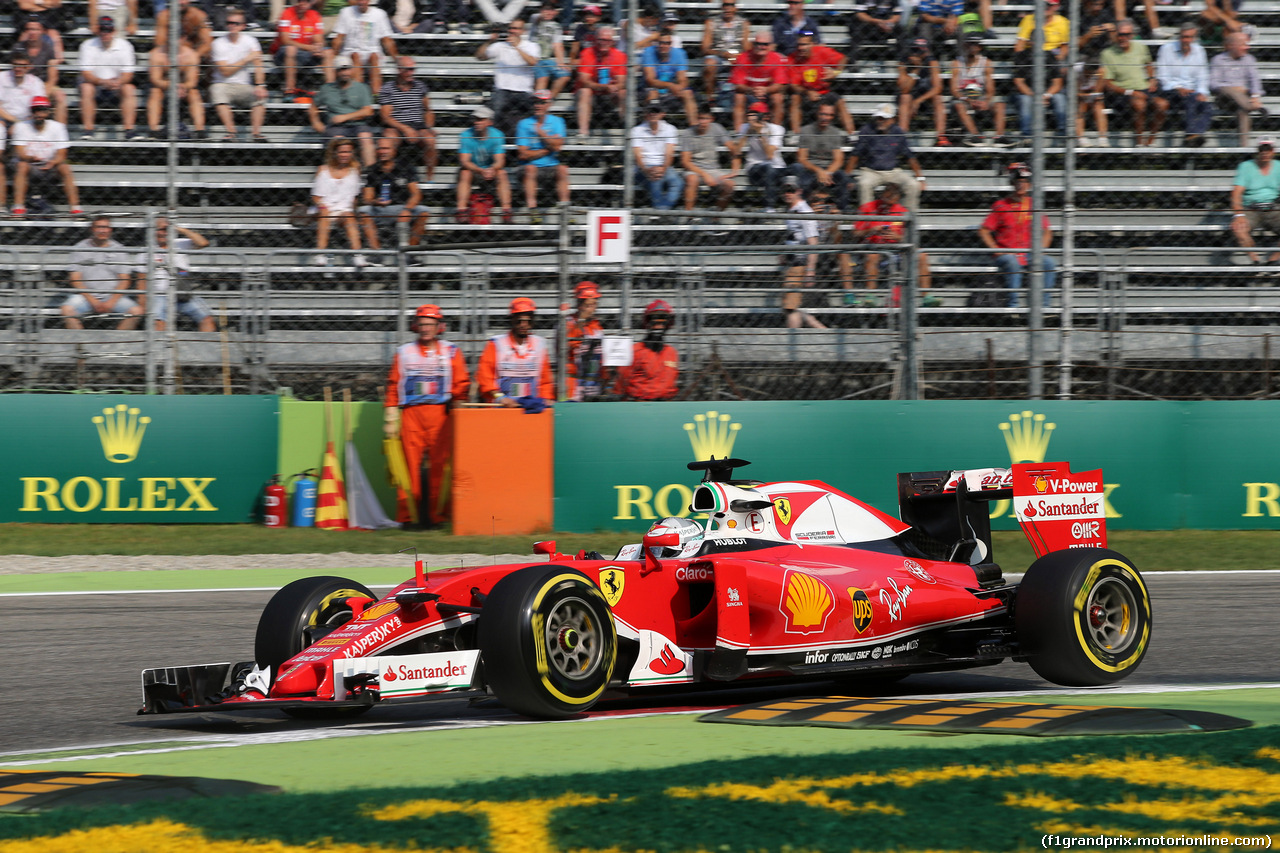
<point>881,145</point>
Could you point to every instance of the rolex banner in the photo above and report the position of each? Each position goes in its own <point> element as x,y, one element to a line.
<point>129,459</point>
<point>1165,465</point>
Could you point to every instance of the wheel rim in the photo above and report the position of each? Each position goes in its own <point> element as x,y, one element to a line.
<point>1111,615</point>
<point>575,644</point>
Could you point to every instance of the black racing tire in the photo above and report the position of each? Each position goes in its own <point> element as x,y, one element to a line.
<point>1083,617</point>
<point>300,614</point>
<point>548,642</point>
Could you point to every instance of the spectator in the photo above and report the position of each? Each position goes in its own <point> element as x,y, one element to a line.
<point>813,69</point>
<point>300,44</point>
<point>653,142</point>
<point>1008,227</point>
<point>762,142</point>
<point>655,367</point>
<point>553,72</point>
<point>585,376</point>
<point>1254,196</point>
<point>188,91</point>
<point>1055,96</point>
<point>800,269</point>
<point>643,32</point>
<point>426,377</point>
<point>99,271</point>
<point>602,78</point>
<point>833,267</point>
<point>106,80</point>
<point>1236,83</point>
<point>391,195</point>
<point>405,105</point>
<point>1183,70</point>
<point>700,147</point>
<point>539,139</point>
<point>17,87</point>
<point>515,368</point>
<point>938,22</point>
<point>515,59</point>
<point>333,194</point>
<point>1096,26</point>
<point>759,76</point>
<point>346,107</point>
<point>881,144</point>
<point>1220,14</point>
<point>233,55</point>
<point>880,233</point>
<point>453,16</point>
<point>38,150</point>
<point>51,15</point>
<point>364,35</point>
<point>45,60</point>
<point>123,14</point>
<point>1090,101</point>
<point>973,92</point>
<point>1057,29</point>
<point>872,22</point>
<point>584,34</point>
<point>482,164</point>
<point>820,158</point>
<point>194,29</point>
<point>725,37</point>
<point>1131,83</point>
<point>666,74</point>
<point>919,84</point>
<point>789,24</point>
<point>188,305</point>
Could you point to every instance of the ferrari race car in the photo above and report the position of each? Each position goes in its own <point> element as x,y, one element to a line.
<point>782,580</point>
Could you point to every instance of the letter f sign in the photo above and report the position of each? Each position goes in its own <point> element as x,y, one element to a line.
<point>608,236</point>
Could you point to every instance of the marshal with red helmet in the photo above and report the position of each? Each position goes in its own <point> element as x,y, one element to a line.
<point>765,580</point>
<point>515,368</point>
<point>654,371</point>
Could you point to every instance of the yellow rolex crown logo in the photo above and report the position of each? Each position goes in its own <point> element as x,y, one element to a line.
<point>1027,437</point>
<point>711,435</point>
<point>120,430</point>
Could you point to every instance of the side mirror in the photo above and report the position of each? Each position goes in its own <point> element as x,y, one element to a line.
<point>547,546</point>
<point>670,539</point>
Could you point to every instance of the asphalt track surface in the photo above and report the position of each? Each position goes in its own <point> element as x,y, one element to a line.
<point>72,662</point>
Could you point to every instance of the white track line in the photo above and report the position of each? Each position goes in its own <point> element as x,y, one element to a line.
<point>392,586</point>
<point>119,750</point>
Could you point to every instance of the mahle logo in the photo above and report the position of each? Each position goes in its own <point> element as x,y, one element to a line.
<point>710,435</point>
<point>1027,436</point>
<point>120,430</point>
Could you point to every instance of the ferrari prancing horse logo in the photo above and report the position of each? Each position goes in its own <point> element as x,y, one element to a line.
<point>612,581</point>
<point>783,507</point>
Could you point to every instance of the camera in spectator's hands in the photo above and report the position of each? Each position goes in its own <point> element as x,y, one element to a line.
<point>498,30</point>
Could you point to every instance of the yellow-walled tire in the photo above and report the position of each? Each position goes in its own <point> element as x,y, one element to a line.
<point>547,642</point>
<point>300,614</point>
<point>1083,617</point>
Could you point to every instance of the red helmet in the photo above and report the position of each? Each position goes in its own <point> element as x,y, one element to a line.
<point>658,307</point>
<point>431,312</point>
<point>522,305</point>
<point>587,290</point>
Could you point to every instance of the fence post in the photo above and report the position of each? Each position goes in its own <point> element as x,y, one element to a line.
<point>910,320</point>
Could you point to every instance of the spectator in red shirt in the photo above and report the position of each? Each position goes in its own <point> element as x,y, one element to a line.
<point>1008,227</point>
<point>654,368</point>
<point>602,77</point>
<point>300,44</point>
<point>879,233</point>
<point>813,68</point>
<point>760,74</point>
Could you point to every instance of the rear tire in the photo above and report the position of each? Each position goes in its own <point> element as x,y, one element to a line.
<point>1083,617</point>
<point>548,642</point>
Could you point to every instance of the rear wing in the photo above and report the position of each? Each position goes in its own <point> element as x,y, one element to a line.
<point>1055,508</point>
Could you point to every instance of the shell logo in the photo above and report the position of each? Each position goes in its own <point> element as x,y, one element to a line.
<point>1041,484</point>
<point>806,602</point>
<point>377,611</point>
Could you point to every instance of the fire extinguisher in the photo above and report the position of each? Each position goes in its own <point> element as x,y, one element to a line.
<point>304,498</point>
<point>275,511</point>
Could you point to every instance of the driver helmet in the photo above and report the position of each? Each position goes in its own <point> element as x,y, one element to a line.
<point>689,530</point>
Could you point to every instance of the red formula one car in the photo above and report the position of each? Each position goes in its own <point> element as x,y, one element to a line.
<point>782,580</point>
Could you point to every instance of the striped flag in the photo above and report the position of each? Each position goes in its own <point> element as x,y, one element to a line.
<point>331,503</point>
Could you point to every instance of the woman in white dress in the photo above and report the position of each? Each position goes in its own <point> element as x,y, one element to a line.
<point>333,193</point>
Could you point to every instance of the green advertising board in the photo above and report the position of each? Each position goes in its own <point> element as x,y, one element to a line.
<point>132,459</point>
<point>1166,465</point>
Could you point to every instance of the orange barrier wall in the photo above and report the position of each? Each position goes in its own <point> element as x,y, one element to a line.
<point>503,471</point>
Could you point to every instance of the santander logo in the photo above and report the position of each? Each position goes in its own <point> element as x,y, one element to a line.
<point>389,675</point>
<point>666,663</point>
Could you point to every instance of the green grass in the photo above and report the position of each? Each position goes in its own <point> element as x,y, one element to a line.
<point>1149,550</point>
